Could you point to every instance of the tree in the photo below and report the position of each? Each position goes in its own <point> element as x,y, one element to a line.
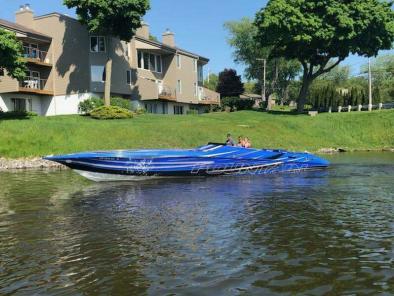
<point>230,84</point>
<point>319,31</point>
<point>247,51</point>
<point>111,18</point>
<point>11,55</point>
<point>211,82</point>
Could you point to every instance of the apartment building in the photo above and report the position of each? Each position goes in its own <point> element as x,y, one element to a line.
<point>66,65</point>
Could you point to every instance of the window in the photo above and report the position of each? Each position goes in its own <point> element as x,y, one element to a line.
<point>97,73</point>
<point>128,77</point>
<point>97,44</point>
<point>22,105</point>
<point>200,74</point>
<point>146,60</point>
<point>195,65</point>
<point>158,63</point>
<point>178,110</point>
<point>150,61</point>
<point>195,89</point>
<point>178,61</point>
<point>179,87</point>
<point>151,108</point>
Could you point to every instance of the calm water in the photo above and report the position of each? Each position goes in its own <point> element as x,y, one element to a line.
<point>316,233</point>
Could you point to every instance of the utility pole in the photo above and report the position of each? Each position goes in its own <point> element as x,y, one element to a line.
<point>263,89</point>
<point>369,85</point>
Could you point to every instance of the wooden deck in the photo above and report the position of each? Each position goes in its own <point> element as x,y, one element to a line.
<point>36,91</point>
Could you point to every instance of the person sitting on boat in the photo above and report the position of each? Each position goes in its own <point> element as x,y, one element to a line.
<point>230,141</point>
<point>247,143</point>
<point>241,142</point>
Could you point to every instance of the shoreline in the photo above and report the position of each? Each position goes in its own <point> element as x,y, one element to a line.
<point>27,163</point>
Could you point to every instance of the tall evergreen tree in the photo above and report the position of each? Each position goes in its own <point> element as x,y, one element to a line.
<point>230,84</point>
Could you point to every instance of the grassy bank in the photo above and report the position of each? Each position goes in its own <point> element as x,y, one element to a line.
<point>62,134</point>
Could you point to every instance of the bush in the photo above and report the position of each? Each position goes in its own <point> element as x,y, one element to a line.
<point>236,103</point>
<point>192,112</point>
<point>111,112</point>
<point>88,105</point>
<point>120,102</point>
<point>17,114</point>
<point>139,111</point>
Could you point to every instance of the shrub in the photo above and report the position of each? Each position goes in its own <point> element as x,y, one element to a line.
<point>192,112</point>
<point>236,103</point>
<point>88,105</point>
<point>111,112</point>
<point>17,114</point>
<point>139,111</point>
<point>120,102</point>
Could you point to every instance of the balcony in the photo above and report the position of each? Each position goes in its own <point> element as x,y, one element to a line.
<point>34,85</point>
<point>208,97</point>
<point>166,92</point>
<point>36,56</point>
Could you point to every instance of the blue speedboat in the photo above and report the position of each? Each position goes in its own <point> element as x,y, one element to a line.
<point>209,160</point>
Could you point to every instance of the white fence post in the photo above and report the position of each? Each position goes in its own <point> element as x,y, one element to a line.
<point>349,108</point>
<point>360,107</point>
<point>380,106</point>
<point>339,109</point>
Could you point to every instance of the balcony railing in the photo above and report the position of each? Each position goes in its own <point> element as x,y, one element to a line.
<point>33,83</point>
<point>166,92</point>
<point>36,54</point>
<point>206,96</point>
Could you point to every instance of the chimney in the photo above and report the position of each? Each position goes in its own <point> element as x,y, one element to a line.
<point>25,16</point>
<point>143,31</point>
<point>169,38</point>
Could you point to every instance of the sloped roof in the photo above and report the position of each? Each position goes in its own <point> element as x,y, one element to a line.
<point>22,29</point>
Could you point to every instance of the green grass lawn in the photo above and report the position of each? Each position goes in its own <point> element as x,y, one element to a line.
<point>63,134</point>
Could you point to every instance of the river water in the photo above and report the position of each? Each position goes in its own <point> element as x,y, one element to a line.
<point>317,233</point>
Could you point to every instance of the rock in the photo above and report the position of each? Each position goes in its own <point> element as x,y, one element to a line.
<point>27,163</point>
<point>327,150</point>
<point>388,150</point>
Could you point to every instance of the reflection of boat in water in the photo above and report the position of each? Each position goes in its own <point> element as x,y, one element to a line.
<point>209,160</point>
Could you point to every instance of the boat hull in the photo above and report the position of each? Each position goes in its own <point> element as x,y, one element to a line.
<point>209,160</point>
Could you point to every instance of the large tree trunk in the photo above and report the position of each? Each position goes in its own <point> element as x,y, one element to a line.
<point>107,87</point>
<point>303,96</point>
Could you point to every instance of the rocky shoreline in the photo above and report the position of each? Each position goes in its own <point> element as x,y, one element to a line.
<point>28,163</point>
<point>39,163</point>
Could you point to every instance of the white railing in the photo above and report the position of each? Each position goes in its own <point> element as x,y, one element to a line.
<point>35,54</point>
<point>33,83</point>
<point>166,91</point>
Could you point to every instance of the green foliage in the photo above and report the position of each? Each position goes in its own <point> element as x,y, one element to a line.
<point>230,83</point>
<point>111,112</point>
<point>11,55</point>
<point>237,104</point>
<point>66,134</point>
<point>247,50</point>
<point>192,112</point>
<point>212,82</point>
<point>118,18</point>
<point>120,102</point>
<point>315,32</point>
<point>86,106</point>
<point>153,38</point>
<point>17,115</point>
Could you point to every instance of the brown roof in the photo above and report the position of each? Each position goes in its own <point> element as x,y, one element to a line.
<point>161,44</point>
<point>22,29</point>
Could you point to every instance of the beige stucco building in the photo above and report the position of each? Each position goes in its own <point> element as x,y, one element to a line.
<point>66,66</point>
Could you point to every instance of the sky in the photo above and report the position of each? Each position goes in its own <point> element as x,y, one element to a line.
<point>197,24</point>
